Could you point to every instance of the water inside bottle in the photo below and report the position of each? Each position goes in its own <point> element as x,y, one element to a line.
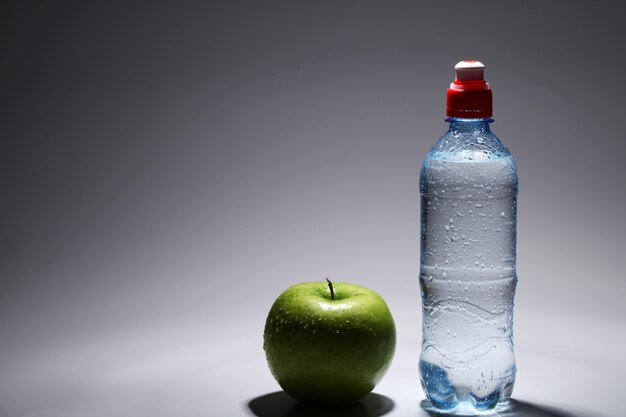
<point>467,275</point>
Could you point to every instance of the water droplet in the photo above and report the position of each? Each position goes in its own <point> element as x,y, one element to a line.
<point>480,140</point>
<point>502,214</point>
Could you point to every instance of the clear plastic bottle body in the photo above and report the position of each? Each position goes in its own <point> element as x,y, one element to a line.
<point>468,187</point>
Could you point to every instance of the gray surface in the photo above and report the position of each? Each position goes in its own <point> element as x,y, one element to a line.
<point>166,171</point>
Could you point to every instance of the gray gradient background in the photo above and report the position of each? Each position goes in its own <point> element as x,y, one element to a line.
<point>167,170</point>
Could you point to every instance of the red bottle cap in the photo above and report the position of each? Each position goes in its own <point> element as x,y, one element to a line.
<point>469,96</point>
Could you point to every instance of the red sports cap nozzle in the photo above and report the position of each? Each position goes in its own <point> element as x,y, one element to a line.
<point>469,96</point>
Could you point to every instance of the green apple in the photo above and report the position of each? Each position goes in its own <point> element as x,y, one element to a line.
<point>329,343</point>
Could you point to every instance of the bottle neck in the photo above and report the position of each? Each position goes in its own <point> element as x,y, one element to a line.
<point>461,124</point>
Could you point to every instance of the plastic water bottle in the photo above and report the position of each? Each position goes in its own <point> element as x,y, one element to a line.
<point>468,187</point>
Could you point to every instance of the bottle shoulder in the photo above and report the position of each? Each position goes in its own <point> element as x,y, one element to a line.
<point>474,159</point>
<point>469,145</point>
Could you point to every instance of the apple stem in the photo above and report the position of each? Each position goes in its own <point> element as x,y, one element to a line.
<point>332,292</point>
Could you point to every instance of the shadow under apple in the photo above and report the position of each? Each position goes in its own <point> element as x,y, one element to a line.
<point>279,404</point>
